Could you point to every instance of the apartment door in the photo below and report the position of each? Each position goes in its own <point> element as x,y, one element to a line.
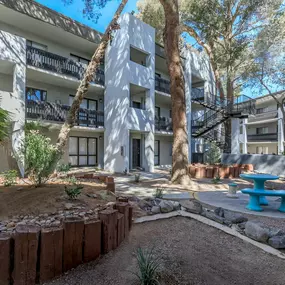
<point>136,153</point>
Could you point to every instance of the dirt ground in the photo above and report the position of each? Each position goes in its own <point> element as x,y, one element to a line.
<point>23,199</point>
<point>191,254</point>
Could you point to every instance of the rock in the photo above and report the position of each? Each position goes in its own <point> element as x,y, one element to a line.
<point>90,212</point>
<point>143,204</point>
<point>192,206</point>
<point>275,232</point>
<point>52,219</point>
<point>56,223</point>
<point>237,228</point>
<point>82,214</point>
<point>155,209</point>
<point>68,206</point>
<point>234,218</point>
<point>22,223</point>
<point>219,211</point>
<point>242,225</point>
<point>11,225</point>
<point>212,216</point>
<point>176,205</point>
<point>256,231</point>
<point>277,241</point>
<point>166,206</point>
<point>111,204</point>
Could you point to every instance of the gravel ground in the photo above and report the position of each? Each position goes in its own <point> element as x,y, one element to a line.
<point>191,253</point>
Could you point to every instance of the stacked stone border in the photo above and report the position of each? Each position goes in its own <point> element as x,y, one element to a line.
<point>222,171</point>
<point>35,255</point>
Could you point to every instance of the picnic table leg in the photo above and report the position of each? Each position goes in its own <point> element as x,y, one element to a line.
<point>253,204</point>
<point>282,205</point>
<point>259,184</point>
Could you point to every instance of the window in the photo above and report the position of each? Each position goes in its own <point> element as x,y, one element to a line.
<point>157,112</point>
<point>241,148</point>
<point>170,114</point>
<point>36,94</point>
<point>241,130</point>
<point>156,152</point>
<point>199,148</point>
<point>263,130</point>
<point>138,96</point>
<point>86,118</point>
<point>82,151</point>
<point>36,45</point>
<point>138,56</point>
<point>79,59</point>
<point>262,149</point>
<point>136,105</point>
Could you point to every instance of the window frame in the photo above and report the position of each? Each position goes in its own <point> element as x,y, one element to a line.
<point>78,155</point>
<point>43,97</point>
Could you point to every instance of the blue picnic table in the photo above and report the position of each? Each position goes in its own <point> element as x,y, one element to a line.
<point>256,197</point>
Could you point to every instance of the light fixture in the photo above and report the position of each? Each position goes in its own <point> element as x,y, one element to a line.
<point>100,137</point>
<point>100,100</point>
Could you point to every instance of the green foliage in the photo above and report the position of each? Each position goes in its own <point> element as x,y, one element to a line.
<point>213,155</point>
<point>148,267</point>
<point>216,179</point>
<point>38,153</point>
<point>158,193</point>
<point>4,124</point>
<point>73,190</point>
<point>64,167</point>
<point>10,177</point>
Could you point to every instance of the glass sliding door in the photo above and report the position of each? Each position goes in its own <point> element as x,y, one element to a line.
<point>82,151</point>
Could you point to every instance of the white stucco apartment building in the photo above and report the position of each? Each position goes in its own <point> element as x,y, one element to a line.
<point>263,132</point>
<point>125,120</point>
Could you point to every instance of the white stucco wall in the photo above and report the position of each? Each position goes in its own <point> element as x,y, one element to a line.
<point>120,72</point>
<point>13,55</point>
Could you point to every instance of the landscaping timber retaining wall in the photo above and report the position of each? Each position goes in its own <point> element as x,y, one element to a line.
<point>212,171</point>
<point>34,255</point>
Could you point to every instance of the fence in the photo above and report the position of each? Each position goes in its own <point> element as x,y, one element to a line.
<point>35,255</point>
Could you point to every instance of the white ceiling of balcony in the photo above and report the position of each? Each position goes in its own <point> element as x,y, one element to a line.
<point>49,31</point>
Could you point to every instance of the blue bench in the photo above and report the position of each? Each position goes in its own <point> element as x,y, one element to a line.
<point>254,195</point>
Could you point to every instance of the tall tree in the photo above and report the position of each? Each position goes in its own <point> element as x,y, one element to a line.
<point>88,75</point>
<point>177,90</point>
<point>225,30</point>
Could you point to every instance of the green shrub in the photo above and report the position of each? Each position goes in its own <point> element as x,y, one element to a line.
<point>148,266</point>
<point>39,153</point>
<point>73,190</point>
<point>216,179</point>
<point>10,177</point>
<point>64,167</point>
<point>158,193</point>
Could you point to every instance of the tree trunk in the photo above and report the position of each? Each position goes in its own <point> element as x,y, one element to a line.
<point>177,90</point>
<point>84,84</point>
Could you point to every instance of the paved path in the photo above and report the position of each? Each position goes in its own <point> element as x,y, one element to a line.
<point>219,199</point>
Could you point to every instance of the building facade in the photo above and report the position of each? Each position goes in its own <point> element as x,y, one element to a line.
<point>125,120</point>
<point>261,133</point>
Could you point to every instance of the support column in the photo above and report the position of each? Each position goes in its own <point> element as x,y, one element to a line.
<point>245,136</point>
<point>280,132</point>
<point>235,136</point>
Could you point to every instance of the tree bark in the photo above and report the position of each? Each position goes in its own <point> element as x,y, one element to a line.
<point>84,84</point>
<point>177,90</point>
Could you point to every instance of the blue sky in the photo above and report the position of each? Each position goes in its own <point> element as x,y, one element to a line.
<point>74,11</point>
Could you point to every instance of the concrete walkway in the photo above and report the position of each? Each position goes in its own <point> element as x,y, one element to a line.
<point>219,199</point>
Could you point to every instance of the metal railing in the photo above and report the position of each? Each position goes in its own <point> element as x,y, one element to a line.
<point>162,85</point>
<point>163,124</point>
<point>59,64</point>
<point>262,137</point>
<point>47,111</point>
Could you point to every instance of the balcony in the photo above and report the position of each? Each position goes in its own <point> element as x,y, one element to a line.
<point>59,64</point>
<point>162,85</point>
<point>47,111</point>
<point>264,116</point>
<point>163,124</point>
<point>272,137</point>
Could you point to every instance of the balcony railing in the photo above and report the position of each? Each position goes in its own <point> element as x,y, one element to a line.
<point>163,124</point>
<point>162,85</point>
<point>262,137</point>
<point>48,111</point>
<point>262,116</point>
<point>59,64</point>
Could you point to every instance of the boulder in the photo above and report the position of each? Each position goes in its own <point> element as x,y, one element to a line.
<point>155,209</point>
<point>212,216</point>
<point>277,241</point>
<point>166,206</point>
<point>234,218</point>
<point>275,232</point>
<point>192,206</point>
<point>143,204</point>
<point>231,217</point>
<point>257,231</point>
<point>176,205</point>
